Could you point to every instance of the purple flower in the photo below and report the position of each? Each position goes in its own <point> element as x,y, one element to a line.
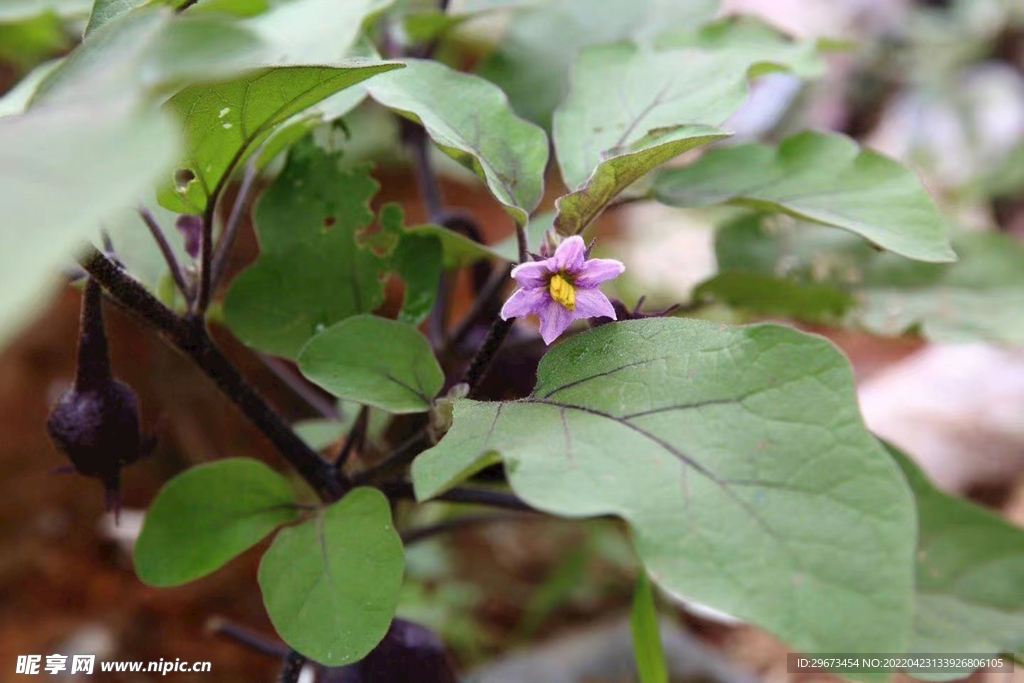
<point>563,288</point>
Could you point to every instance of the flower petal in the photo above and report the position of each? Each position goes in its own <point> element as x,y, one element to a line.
<point>553,320</point>
<point>598,270</point>
<point>569,255</point>
<point>525,302</point>
<point>592,303</point>
<point>532,274</point>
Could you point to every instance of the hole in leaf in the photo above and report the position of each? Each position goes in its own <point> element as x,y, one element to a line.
<point>182,178</point>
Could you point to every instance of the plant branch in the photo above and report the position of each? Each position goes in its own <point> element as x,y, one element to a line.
<point>291,667</point>
<point>499,278</point>
<point>193,341</point>
<point>355,439</point>
<point>521,242</point>
<point>400,457</point>
<point>165,248</point>
<point>93,367</point>
<point>298,386</point>
<point>256,642</point>
<point>430,191</point>
<point>202,300</point>
<point>497,499</point>
<point>424,532</point>
<point>481,363</point>
<point>415,139</point>
<point>227,238</point>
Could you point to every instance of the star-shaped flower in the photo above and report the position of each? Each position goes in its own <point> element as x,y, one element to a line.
<point>563,288</point>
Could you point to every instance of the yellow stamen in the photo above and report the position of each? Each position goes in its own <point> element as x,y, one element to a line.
<point>562,291</point>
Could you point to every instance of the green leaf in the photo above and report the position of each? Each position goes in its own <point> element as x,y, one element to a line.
<point>577,210</point>
<point>647,648</point>
<point>417,258</point>
<point>320,433</point>
<point>303,32</point>
<point>970,577</point>
<point>151,50</point>
<point>310,273</point>
<point>767,294</point>
<point>975,298</point>
<point>541,42</point>
<point>136,248</point>
<point>331,584</point>
<point>27,43</point>
<point>628,111</point>
<point>469,120</point>
<point>822,178</point>
<point>314,269</point>
<point>478,6</point>
<point>458,251</point>
<point>738,457</point>
<point>374,361</point>
<point>16,100</point>
<point>208,515</point>
<point>238,8</point>
<point>20,10</point>
<point>625,100</point>
<point>62,170</point>
<point>105,11</point>
<point>749,39</point>
<point>225,122</point>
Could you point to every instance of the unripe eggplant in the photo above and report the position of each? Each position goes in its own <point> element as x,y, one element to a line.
<point>409,653</point>
<point>96,422</point>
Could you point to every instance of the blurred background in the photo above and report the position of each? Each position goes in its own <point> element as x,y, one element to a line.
<point>936,84</point>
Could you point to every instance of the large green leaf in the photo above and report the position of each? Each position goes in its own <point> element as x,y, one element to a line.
<point>313,270</point>
<point>62,170</point>
<point>470,120</point>
<point>823,178</point>
<point>532,63</point>
<point>970,577</point>
<point>207,515</point>
<point>15,100</point>
<point>152,49</point>
<point>331,584</point>
<point>629,111</point>
<point>225,122</point>
<point>302,32</point>
<point>105,11</point>
<point>815,268</point>
<point>376,362</point>
<point>738,457</point>
<point>976,298</point>
<point>769,294</point>
<point>749,39</point>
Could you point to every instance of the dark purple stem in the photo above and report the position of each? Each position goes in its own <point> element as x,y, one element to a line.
<point>192,340</point>
<point>93,356</point>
